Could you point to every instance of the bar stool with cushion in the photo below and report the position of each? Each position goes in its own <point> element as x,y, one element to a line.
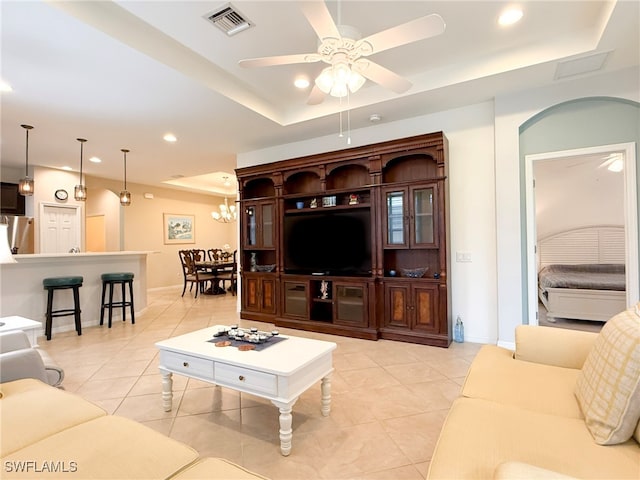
<point>52,284</point>
<point>117,278</point>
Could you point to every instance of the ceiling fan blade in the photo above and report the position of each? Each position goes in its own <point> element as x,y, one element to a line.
<point>382,76</point>
<point>320,19</point>
<point>412,31</point>
<point>316,96</point>
<point>279,60</point>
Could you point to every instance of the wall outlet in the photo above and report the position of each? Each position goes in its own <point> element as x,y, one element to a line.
<point>463,257</point>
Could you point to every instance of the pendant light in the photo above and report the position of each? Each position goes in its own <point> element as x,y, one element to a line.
<point>125,196</point>
<point>25,187</point>
<point>80,191</point>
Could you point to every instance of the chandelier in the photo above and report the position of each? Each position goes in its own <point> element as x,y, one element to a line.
<point>227,213</point>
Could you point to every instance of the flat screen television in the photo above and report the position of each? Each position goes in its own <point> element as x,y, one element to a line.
<point>336,243</point>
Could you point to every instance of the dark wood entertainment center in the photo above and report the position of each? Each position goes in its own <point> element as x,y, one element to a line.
<point>381,209</point>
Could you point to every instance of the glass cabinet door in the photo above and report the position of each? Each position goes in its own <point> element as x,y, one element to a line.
<point>267,225</point>
<point>395,202</point>
<point>259,225</point>
<point>350,304</point>
<point>423,216</point>
<point>295,299</point>
<point>251,225</point>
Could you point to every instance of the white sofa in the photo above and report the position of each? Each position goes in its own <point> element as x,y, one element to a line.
<point>49,433</point>
<point>565,404</point>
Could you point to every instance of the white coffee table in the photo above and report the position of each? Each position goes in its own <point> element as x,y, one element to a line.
<point>279,373</point>
<point>30,327</point>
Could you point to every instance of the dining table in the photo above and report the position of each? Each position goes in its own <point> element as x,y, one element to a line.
<point>215,266</point>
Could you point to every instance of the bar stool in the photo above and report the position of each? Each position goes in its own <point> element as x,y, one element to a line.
<point>52,284</point>
<point>117,278</point>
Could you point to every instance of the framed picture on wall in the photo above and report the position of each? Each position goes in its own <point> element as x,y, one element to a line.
<point>179,228</point>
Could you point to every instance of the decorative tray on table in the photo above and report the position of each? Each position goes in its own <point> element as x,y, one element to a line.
<point>251,335</point>
<point>236,336</point>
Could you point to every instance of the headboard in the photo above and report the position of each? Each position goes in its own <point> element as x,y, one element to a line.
<point>589,245</point>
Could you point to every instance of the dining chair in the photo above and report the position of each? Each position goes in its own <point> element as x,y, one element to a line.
<point>192,274</point>
<point>215,254</point>
<point>229,274</point>
<point>200,255</point>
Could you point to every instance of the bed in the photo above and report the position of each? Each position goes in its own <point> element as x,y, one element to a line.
<point>581,273</point>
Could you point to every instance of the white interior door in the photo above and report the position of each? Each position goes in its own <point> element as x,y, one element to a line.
<point>59,228</point>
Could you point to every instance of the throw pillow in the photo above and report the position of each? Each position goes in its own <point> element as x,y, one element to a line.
<point>608,387</point>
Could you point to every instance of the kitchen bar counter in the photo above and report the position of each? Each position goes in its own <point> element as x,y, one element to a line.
<point>22,293</point>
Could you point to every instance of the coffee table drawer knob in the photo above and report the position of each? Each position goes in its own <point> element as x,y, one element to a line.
<point>241,378</point>
<point>185,364</point>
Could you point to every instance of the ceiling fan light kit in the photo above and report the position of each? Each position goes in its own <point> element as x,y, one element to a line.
<point>339,79</point>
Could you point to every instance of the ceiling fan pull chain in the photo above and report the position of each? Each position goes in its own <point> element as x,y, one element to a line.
<point>348,118</point>
<point>341,134</point>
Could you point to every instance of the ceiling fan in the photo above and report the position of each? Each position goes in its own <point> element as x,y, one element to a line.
<point>341,47</point>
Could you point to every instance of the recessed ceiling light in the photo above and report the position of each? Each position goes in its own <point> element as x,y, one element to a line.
<point>170,137</point>
<point>510,16</point>
<point>67,168</point>
<point>95,160</point>
<point>301,82</point>
<point>5,87</point>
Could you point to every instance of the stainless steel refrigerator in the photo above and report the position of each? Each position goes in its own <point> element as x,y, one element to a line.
<point>20,233</point>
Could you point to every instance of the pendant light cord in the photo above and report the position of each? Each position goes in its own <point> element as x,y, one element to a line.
<point>27,128</point>
<point>27,156</point>
<point>125,170</point>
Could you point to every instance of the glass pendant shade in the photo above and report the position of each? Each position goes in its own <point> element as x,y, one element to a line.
<point>25,185</point>
<point>80,191</point>
<point>125,196</point>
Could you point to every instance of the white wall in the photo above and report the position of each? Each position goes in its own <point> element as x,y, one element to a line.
<point>572,193</point>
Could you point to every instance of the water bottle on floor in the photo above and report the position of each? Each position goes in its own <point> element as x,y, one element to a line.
<point>458,331</point>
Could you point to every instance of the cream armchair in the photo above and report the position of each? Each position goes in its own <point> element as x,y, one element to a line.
<point>18,359</point>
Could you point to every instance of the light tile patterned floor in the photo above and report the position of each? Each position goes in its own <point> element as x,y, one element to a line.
<point>389,399</point>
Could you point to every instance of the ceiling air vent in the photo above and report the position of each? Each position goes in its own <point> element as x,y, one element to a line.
<point>229,20</point>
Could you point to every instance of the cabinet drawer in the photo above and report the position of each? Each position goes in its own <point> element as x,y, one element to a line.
<point>246,378</point>
<point>187,364</point>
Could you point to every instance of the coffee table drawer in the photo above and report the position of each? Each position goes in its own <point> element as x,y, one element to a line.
<point>187,364</point>
<point>246,378</point>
